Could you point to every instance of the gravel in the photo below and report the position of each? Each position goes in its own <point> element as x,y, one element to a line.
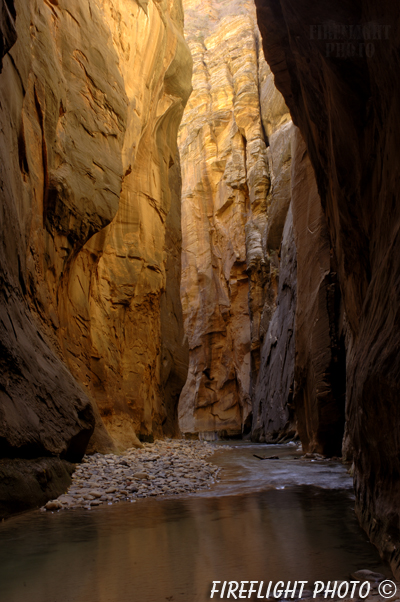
<point>166,467</point>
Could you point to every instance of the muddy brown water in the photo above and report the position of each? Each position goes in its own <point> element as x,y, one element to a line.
<point>286,519</point>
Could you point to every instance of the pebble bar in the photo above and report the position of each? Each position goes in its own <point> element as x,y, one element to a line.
<point>165,467</point>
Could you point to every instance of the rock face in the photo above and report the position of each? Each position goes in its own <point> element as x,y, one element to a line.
<point>343,96</point>
<point>320,366</point>
<point>225,174</point>
<point>37,391</point>
<point>30,483</point>
<point>273,397</point>
<point>300,387</point>
<point>272,268</point>
<point>8,33</point>
<point>115,341</point>
<point>174,348</point>
<point>91,98</point>
<point>234,114</point>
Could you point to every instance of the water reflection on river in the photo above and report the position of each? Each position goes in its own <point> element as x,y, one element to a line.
<point>172,549</point>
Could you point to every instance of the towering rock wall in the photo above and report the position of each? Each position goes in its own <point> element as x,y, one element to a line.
<point>220,126</point>
<point>273,274</point>
<point>91,96</point>
<point>273,418</point>
<point>336,65</point>
<point>235,151</point>
<point>116,342</point>
<point>320,368</point>
<point>300,387</point>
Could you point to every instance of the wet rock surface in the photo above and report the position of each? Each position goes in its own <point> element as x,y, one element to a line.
<point>164,468</point>
<point>273,412</point>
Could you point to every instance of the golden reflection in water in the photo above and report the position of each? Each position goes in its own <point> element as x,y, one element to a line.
<point>172,550</point>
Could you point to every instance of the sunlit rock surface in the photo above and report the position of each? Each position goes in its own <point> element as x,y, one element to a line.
<point>116,343</point>
<point>91,98</point>
<point>347,106</point>
<point>235,152</point>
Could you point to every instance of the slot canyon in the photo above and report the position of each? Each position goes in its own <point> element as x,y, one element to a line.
<point>200,240</point>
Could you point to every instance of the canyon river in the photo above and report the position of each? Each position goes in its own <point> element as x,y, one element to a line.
<point>278,519</point>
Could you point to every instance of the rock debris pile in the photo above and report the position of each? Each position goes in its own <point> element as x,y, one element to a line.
<point>163,468</point>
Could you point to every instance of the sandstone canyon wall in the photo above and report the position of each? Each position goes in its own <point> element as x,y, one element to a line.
<point>91,328</point>
<point>300,387</point>
<point>234,142</point>
<point>131,262</point>
<point>273,276</point>
<point>320,371</point>
<point>336,64</point>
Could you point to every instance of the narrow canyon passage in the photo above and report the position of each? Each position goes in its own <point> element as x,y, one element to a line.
<point>257,271</point>
<point>200,217</point>
<point>263,521</point>
<point>235,147</point>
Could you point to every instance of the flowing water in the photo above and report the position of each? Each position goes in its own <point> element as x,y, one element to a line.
<point>283,519</point>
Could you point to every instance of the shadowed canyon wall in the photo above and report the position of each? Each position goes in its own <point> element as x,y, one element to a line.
<point>336,64</point>
<point>301,380</point>
<point>234,142</point>
<point>91,327</point>
<point>320,371</point>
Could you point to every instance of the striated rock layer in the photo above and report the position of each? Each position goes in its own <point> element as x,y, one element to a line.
<point>344,97</point>
<point>301,380</point>
<point>234,142</point>
<point>43,411</point>
<point>91,97</point>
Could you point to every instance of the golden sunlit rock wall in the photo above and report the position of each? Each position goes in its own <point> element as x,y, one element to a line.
<point>91,97</point>
<point>128,357</point>
<point>235,153</point>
